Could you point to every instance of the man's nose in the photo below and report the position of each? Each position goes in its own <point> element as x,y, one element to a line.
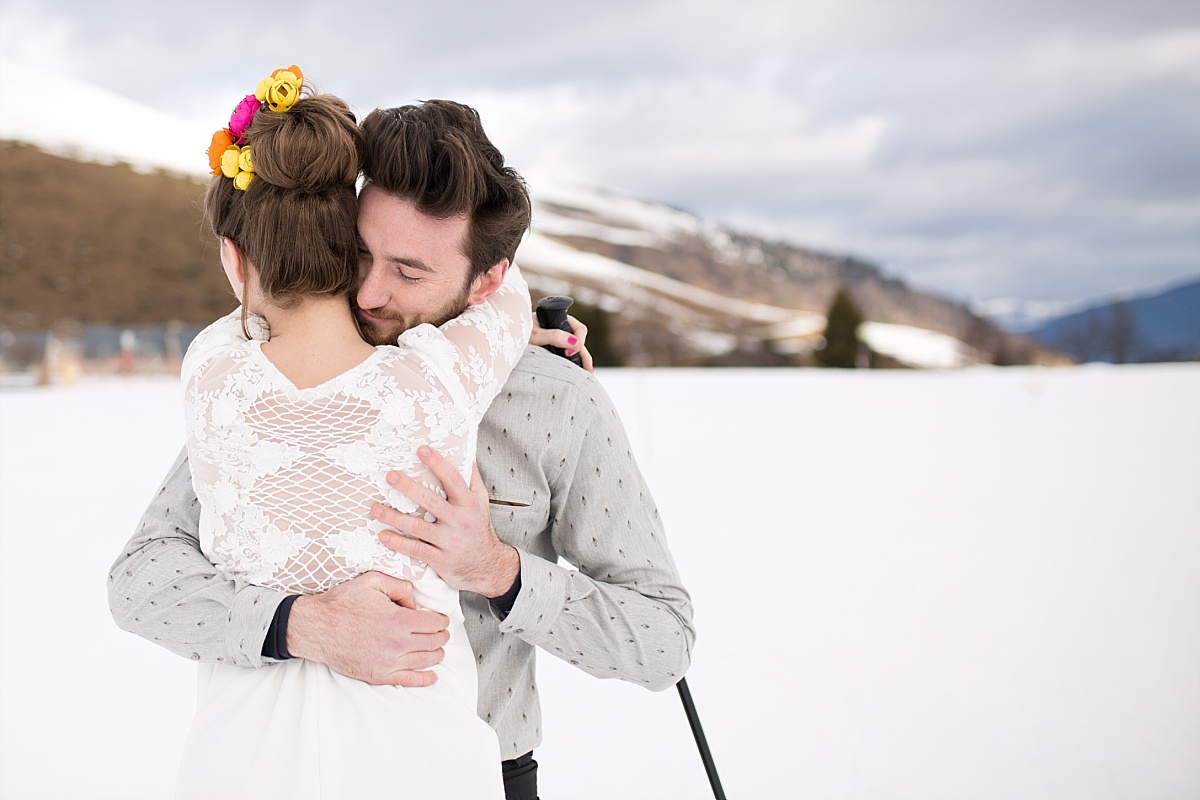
<point>371,293</point>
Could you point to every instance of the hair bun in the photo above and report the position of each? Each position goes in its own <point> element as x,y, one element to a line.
<point>313,147</point>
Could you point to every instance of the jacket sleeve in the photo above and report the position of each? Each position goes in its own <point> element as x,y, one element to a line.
<point>623,611</point>
<point>164,589</point>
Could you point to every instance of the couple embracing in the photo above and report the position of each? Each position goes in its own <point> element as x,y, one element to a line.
<point>364,601</point>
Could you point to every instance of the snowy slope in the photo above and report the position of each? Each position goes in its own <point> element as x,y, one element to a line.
<point>968,585</point>
<point>89,123</point>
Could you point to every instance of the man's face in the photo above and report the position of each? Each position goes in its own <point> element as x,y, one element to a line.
<point>411,267</point>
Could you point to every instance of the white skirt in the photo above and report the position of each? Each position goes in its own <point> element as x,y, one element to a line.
<point>299,730</point>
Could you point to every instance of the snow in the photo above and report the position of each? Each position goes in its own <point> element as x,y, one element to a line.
<point>550,223</point>
<point>917,347</point>
<point>663,222</point>
<point>100,125</point>
<point>546,256</point>
<point>968,585</point>
<point>1020,316</point>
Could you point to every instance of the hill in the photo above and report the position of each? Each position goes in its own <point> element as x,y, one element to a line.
<point>96,243</point>
<point>102,243</point>
<point>692,291</point>
<point>1159,327</point>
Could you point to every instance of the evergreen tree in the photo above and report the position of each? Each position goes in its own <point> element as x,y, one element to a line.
<point>842,343</point>
<point>599,339</point>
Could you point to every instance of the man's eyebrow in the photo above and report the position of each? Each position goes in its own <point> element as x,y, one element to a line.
<point>411,263</point>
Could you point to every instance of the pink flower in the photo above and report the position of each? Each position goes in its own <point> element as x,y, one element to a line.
<point>243,115</point>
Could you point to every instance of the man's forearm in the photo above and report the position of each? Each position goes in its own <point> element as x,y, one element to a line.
<point>605,629</point>
<point>624,612</point>
<point>163,588</point>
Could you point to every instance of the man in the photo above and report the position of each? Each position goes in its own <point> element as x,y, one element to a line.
<point>555,468</point>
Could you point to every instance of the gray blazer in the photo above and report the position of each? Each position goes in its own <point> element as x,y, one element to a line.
<point>554,452</point>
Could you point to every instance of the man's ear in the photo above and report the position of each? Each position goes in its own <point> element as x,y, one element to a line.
<point>486,284</point>
<point>232,261</point>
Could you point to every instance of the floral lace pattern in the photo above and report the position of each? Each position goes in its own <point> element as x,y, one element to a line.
<point>286,476</point>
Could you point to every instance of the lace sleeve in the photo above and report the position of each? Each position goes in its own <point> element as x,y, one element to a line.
<point>473,354</point>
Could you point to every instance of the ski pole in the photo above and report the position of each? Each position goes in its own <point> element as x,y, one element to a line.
<point>552,313</point>
<point>710,767</point>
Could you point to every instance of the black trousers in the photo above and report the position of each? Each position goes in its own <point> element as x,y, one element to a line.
<point>520,778</point>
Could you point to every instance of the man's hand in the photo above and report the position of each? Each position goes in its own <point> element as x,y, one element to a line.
<point>571,342</point>
<point>368,628</point>
<point>462,545</point>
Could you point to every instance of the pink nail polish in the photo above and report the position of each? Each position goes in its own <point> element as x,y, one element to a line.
<point>571,340</point>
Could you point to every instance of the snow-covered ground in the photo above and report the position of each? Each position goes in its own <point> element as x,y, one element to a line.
<point>964,585</point>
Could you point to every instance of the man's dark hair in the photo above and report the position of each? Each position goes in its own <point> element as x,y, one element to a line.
<point>436,155</point>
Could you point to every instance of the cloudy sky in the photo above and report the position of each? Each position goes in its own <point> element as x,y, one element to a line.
<point>979,148</point>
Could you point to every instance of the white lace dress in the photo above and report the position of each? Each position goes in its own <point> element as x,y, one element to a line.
<point>286,478</point>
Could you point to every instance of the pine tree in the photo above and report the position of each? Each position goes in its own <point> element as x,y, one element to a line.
<point>599,338</point>
<point>842,343</point>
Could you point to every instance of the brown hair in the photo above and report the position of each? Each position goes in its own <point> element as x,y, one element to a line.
<point>437,156</point>
<point>297,220</point>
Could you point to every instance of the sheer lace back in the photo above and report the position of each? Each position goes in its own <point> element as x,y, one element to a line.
<point>286,476</point>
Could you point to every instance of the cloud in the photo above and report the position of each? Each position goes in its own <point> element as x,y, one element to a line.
<point>997,147</point>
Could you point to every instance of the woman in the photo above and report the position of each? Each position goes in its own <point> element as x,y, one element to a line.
<point>290,433</point>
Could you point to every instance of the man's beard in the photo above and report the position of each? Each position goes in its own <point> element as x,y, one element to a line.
<point>386,332</point>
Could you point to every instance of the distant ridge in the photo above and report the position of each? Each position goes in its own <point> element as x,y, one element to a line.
<point>1160,327</point>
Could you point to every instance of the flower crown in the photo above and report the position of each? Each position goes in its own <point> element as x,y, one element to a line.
<point>228,153</point>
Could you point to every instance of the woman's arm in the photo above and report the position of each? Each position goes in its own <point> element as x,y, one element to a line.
<point>474,353</point>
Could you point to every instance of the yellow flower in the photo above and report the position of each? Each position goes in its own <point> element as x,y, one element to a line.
<point>282,89</point>
<point>236,164</point>
<point>260,91</point>
<point>229,160</point>
<point>282,94</point>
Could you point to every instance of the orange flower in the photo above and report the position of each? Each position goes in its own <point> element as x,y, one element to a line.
<point>221,140</point>
<point>292,69</point>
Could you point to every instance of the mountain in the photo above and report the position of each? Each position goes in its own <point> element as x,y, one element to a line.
<point>1159,327</point>
<point>1017,315</point>
<point>688,290</point>
<point>121,241</point>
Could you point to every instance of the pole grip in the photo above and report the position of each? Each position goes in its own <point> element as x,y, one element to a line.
<point>552,313</point>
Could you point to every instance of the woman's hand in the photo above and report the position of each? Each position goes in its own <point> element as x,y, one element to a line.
<point>571,343</point>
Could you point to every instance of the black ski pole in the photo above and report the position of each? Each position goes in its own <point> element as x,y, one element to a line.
<point>552,313</point>
<point>710,767</point>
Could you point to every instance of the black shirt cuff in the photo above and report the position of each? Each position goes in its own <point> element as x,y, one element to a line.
<point>505,602</point>
<point>275,645</point>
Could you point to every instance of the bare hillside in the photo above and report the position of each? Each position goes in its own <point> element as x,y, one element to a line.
<point>94,243</point>
<point>97,243</point>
